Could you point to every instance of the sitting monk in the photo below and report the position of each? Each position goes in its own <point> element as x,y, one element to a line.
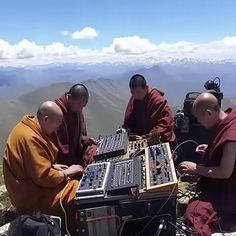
<point>217,185</point>
<point>32,181</point>
<point>148,112</point>
<point>74,146</point>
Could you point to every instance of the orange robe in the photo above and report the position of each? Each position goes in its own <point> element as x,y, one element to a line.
<point>30,180</point>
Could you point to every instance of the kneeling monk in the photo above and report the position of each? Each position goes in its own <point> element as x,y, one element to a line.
<point>217,186</point>
<point>74,146</point>
<point>33,183</point>
<point>148,112</point>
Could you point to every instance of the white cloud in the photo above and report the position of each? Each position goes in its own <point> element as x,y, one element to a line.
<point>86,33</point>
<point>130,45</point>
<point>6,50</point>
<point>131,49</point>
<point>56,49</point>
<point>27,49</point>
<point>65,33</point>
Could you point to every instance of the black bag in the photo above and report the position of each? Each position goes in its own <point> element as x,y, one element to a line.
<point>35,225</point>
<point>188,104</point>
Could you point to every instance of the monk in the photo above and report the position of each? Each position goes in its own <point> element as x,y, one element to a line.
<point>217,186</point>
<point>148,112</point>
<point>74,146</point>
<point>32,180</point>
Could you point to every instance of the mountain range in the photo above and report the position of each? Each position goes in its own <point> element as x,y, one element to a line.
<point>23,89</point>
<point>185,75</point>
<point>104,112</point>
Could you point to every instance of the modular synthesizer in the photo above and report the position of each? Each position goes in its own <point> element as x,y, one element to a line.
<point>112,146</point>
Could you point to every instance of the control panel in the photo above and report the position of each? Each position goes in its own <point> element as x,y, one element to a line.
<point>111,146</point>
<point>109,179</point>
<point>159,167</point>
<point>94,181</point>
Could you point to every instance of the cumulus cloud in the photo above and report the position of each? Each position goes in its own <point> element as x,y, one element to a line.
<point>88,33</point>
<point>26,49</point>
<point>130,45</point>
<point>130,49</point>
<point>6,50</point>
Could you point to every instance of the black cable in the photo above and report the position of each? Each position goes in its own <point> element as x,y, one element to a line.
<point>176,227</point>
<point>128,220</point>
<point>158,232</point>
<point>150,221</point>
<point>143,229</point>
<point>160,228</point>
<point>220,227</point>
<point>137,152</point>
<point>217,78</point>
<point>188,229</point>
<point>156,215</point>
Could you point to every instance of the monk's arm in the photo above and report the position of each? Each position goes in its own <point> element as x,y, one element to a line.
<point>128,112</point>
<point>39,167</point>
<point>161,119</point>
<point>226,167</point>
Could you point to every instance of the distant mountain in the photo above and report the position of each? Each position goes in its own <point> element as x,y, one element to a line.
<point>104,112</point>
<point>23,89</point>
<point>197,73</point>
<point>176,77</point>
<point>15,82</point>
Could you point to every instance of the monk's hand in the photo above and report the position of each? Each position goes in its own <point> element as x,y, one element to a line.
<point>74,170</point>
<point>60,167</point>
<point>187,167</point>
<point>89,140</point>
<point>201,148</point>
<point>153,138</point>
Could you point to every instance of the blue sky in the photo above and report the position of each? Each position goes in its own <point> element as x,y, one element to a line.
<point>159,21</point>
<point>105,30</point>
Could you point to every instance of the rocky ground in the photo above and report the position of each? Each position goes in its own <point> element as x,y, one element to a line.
<point>7,211</point>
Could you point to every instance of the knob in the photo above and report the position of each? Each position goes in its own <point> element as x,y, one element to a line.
<point>158,170</point>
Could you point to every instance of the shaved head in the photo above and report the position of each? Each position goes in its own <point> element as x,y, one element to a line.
<point>77,97</point>
<point>50,109</point>
<point>50,116</point>
<point>205,101</point>
<point>207,110</point>
<point>78,91</point>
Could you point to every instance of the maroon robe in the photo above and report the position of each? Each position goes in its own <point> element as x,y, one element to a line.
<point>152,114</point>
<point>220,190</point>
<point>68,138</point>
<point>217,195</point>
